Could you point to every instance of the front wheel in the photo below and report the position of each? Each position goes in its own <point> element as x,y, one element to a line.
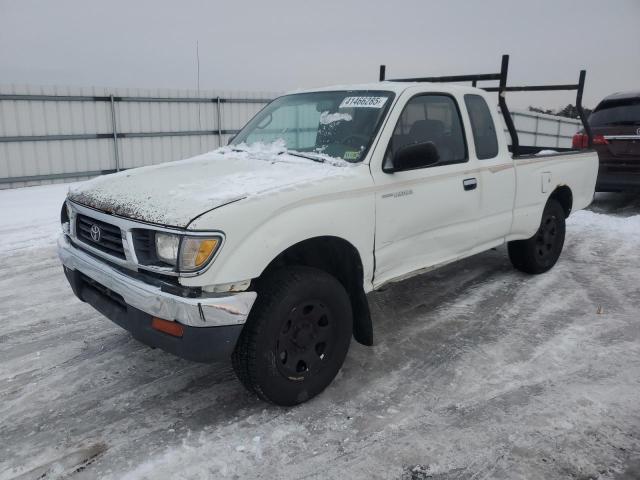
<point>541,252</point>
<point>296,337</point>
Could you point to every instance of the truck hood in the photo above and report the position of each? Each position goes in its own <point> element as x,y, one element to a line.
<point>174,193</point>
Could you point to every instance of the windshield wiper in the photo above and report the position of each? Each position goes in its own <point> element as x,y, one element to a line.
<point>303,155</point>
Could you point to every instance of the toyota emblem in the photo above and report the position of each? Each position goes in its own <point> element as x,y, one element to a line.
<point>96,233</point>
<point>638,131</point>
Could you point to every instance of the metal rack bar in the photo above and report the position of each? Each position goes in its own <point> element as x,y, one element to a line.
<point>451,78</point>
<point>534,88</point>
<point>581,112</point>
<point>502,101</point>
<point>503,88</point>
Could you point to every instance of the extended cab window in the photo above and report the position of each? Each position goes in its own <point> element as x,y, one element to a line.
<point>484,130</point>
<point>431,118</point>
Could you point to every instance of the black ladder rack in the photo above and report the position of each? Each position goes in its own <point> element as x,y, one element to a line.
<point>502,88</point>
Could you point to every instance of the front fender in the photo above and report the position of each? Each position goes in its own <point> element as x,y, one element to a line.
<point>258,230</point>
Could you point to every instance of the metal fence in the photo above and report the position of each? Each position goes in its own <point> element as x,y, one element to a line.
<point>56,134</point>
<point>542,130</point>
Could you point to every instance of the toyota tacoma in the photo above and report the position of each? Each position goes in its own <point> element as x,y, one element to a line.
<point>263,251</point>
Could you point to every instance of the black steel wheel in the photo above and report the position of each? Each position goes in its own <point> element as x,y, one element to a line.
<point>296,337</point>
<point>540,253</point>
<point>546,236</point>
<point>306,339</point>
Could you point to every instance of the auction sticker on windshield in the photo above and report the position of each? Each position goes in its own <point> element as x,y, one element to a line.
<point>363,102</point>
<point>351,155</point>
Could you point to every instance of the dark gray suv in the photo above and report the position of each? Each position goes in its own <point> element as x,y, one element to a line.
<point>615,124</point>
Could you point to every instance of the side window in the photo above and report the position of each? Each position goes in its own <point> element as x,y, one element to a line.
<point>484,131</point>
<point>431,118</point>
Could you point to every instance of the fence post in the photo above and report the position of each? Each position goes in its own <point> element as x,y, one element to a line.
<point>114,127</point>
<point>219,122</point>
<point>297,128</point>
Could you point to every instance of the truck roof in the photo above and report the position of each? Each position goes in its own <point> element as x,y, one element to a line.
<point>396,87</point>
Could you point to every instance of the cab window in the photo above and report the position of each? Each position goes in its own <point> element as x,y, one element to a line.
<point>484,130</point>
<point>431,118</point>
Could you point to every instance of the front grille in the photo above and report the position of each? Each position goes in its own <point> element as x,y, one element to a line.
<point>109,241</point>
<point>144,244</point>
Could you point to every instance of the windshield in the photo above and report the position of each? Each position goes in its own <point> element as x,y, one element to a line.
<point>340,124</point>
<point>616,112</point>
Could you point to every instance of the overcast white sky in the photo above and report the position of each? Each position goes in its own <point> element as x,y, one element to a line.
<point>281,45</point>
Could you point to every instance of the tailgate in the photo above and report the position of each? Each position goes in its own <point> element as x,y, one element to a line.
<point>621,154</point>
<point>623,145</point>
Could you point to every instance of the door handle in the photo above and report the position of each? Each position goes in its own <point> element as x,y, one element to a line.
<point>469,184</point>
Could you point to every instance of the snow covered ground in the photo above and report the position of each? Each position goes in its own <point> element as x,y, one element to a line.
<point>30,217</point>
<point>478,371</point>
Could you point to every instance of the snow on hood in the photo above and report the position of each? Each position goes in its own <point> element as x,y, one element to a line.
<point>176,192</point>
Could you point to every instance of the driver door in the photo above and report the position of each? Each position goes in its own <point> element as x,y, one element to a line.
<point>425,215</point>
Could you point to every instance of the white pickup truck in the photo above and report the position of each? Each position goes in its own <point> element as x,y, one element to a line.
<point>264,250</point>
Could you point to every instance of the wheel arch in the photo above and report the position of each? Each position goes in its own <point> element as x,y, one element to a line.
<point>564,196</point>
<point>339,258</point>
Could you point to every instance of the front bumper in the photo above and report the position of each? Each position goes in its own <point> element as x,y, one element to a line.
<point>211,323</point>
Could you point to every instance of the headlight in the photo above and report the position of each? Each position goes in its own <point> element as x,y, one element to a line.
<point>187,253</point>
<point>167,246</point>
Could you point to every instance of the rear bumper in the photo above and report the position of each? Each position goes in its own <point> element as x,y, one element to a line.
<point>617,182</point>
<point>211,325</point>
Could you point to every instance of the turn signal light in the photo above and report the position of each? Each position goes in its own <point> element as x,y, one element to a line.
<point>206,249</point>
<point>171,328</point>
<point>195,252</point>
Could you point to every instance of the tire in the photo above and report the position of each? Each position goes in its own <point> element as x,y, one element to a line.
<point>541,252</point>
<point>296,337</point>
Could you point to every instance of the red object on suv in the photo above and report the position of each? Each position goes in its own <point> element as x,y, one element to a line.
<point>615,125</point>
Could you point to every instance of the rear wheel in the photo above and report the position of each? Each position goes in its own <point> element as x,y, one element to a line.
<point>296,337</point>
<point>541,252</point>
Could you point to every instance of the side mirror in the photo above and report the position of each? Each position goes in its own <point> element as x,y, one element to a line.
<point>415,155</point>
